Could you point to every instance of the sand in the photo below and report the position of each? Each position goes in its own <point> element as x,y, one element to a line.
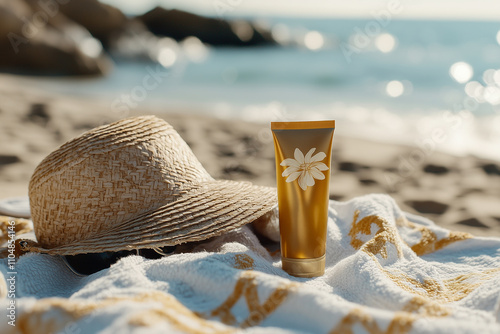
<point>459,193</point>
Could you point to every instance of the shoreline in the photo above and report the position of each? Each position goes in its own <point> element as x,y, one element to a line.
<point>458,193</point>
<point>459,133</point>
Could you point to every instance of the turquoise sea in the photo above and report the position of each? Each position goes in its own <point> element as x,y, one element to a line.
<point>400,81</point>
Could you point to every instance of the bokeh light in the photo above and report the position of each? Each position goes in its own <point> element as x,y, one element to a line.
<point>167,57</point>
<point>281,33</point>
<point>195,50</point>
<point>474,89</point>
<point>313,40</point>
<point>243,30</point>
<point>496,77</point>
<point>488,76</point>
<point>91,47</point>
<point>492,95</point>
<point>385,42</point>
<point>461,72</point>
<point>394,88</point>
<point>498,36</point>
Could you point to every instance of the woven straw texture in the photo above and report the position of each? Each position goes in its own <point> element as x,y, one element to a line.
<point>134,183</point>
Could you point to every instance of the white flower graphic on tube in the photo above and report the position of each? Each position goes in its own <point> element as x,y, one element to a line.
<point>305,168</point>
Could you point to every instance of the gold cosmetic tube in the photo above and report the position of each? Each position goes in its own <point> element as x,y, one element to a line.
<point>303,155</point>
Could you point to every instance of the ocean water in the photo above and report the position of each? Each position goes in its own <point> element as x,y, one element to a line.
<point>404,81</point>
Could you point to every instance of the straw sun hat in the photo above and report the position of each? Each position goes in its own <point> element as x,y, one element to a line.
<point>133,184</point>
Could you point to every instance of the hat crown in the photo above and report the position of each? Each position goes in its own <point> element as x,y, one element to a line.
<point>108,175</point>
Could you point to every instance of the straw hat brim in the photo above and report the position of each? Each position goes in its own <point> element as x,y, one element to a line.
<point>207,211</point>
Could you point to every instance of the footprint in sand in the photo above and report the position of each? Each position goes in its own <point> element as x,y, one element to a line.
<point>491,169</point>
<point>7,159</point>
<point>39,114</point>
<point>435,169</point>
<point>474,222</point>
<point>428,206</point>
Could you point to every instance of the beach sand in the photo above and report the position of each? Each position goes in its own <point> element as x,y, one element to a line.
<point>459,193</point>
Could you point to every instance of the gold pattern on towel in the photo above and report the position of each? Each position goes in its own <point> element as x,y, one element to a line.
<point>176,314</point>
<point>446,290</point>
<point>378,244</point>
<point>429,242</point>
<point>246,287</point>
<point>388,233</point>
<point>425,307</point>
<point>243,261</point>
<point>50,315</point>
<point>400,324</point>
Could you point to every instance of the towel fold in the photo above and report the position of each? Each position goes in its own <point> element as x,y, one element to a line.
<point>386,272</point>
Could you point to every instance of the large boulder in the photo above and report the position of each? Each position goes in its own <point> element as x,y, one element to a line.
<point>101,20</point>
<point>33,41</point>
<point>179,25</point>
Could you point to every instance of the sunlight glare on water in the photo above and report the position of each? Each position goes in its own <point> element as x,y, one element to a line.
<point>195,50</point>
<point>461,72</point>
<point>394,88</point>
<point>496,77</point>
<point>243,30</point>
<point>281,33</point>
<point>314,40</point>
<point>492,95</point>
<point>385,42</point>
<point>91,47</point>
<point>167,57</point>
<point>474,89</point>
<point>488,76</point>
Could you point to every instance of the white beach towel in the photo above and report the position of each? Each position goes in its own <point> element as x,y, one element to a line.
<point>386,272</point>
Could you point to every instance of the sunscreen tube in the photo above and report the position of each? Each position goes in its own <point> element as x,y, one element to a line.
<point>303,161</point>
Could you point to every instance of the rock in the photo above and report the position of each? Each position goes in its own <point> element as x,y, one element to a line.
<point>34,42</point>
<point>472,222</point>
<point>491,169</point>
<point>38,114</point>
<point>7,159</point>
<point>428,206</point>
<point>180,25</point>
<point>435,169</point>
<point>225,151</point>
<point>101,20</point>
<point>368,182</point>
<point>135,42</point>
<point>348,166</point>
<point>11,15</point>
<point>235,168</point>
<point>336,197</point>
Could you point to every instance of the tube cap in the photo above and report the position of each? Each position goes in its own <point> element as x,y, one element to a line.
<point>304,267</point>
